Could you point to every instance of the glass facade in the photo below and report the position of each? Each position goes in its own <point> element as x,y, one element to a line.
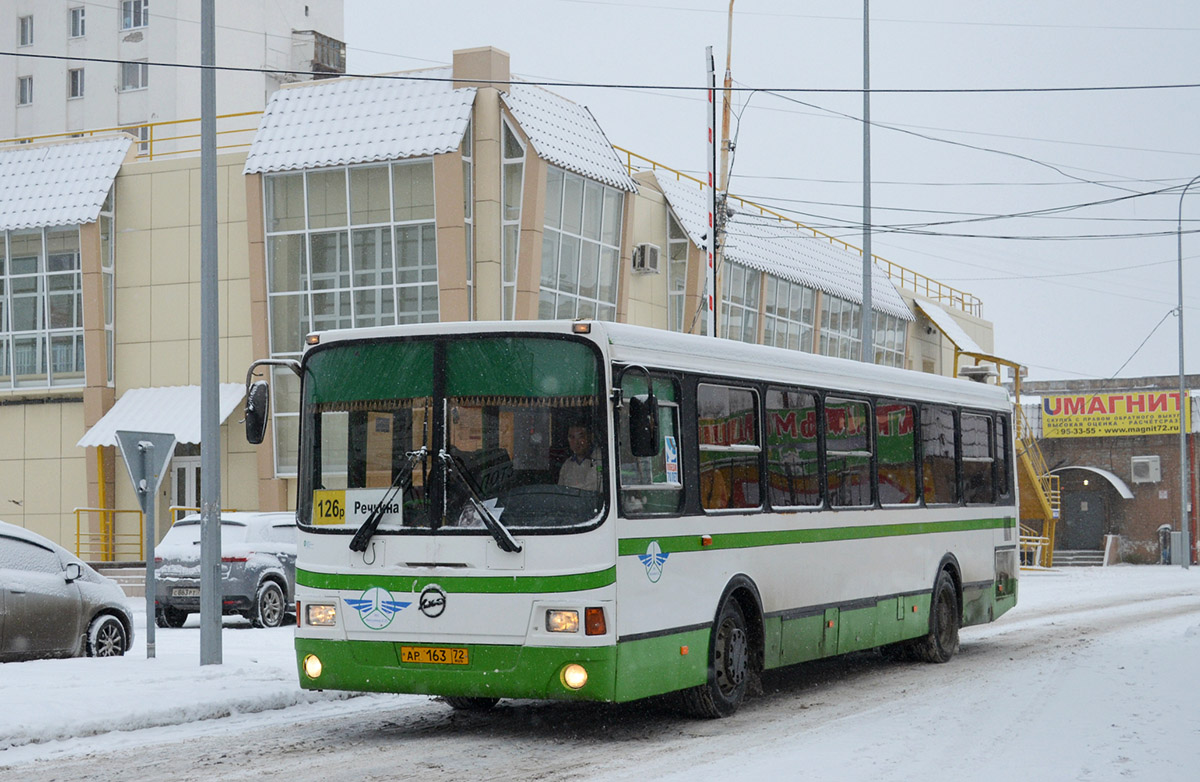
<point>788,315</point>
<point>41,308</point>
<point>841,328</point>
<point>740,292</point>
<point>581,248</point>
<point>347,247</point>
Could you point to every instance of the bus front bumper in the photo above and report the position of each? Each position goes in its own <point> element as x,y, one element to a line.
<point>491,671</point>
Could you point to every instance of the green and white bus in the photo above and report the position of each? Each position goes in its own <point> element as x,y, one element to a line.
<point>745,508</point>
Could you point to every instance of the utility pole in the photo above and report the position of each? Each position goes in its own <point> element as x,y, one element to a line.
<point>710,279</point>
<point>868,319</point>
<point>210,421</point>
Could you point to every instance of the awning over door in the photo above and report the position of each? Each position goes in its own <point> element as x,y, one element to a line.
<point>1118,484</point>
<point>169,409</point>
<point>949,326</point>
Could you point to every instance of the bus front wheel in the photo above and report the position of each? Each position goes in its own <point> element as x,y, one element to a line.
<point>728,666</point>
<point>944,618</point>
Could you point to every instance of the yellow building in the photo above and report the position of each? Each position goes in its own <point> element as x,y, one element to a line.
<point>446,194</point>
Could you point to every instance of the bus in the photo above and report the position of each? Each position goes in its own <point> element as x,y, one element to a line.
<point>584,510</point>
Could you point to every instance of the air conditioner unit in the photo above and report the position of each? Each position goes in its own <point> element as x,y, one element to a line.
<point>645,259</point>
<point>1145,469</point>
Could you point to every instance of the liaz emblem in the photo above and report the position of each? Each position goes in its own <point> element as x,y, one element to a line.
<point>653,559</point>
<point>377,607</point>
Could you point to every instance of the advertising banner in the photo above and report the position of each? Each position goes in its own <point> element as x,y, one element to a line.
<point>1111,415</point>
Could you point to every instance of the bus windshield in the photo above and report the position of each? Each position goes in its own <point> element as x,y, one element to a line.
<point>443,433</point>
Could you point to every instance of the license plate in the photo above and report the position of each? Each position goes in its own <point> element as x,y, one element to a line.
<point>185,592</point>
<point>441,655</point>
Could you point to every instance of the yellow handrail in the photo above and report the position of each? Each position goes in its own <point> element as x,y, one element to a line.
<point>907,278</point>
<point>106,543</point>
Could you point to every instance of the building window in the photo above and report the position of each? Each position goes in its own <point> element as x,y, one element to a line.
<point>841,328</point>
<point>142,132</point>
<point>78,22</point>
<point>468,168</point>
<point>788,315</point>
<point>740,292</point>
<point>75,83</point>
<point>134,14</point>
<point>891,338</point>
<point>134,76</point>
<point>581,248</point>
<point>25,31</point>
<point>41,308</point>
<point>24,90</point>
<point>349,247</point>
<point>513,180</point>
<point>678,318</point>
<point>107,255</point>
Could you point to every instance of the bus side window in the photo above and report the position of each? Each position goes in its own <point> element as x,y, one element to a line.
<point>651,485</point>
<point>1003,470</point>
<point>896,451</point>
<point>729,448</point>
<point>793,470</point>
<point>938,464</point>
<point>848,452</point>
<point>977,459</point>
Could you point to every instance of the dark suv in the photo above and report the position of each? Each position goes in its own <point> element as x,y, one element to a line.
<point>258,568</point>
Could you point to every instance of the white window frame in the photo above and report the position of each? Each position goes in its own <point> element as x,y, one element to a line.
<point>678,248</point>
<point>24,90</point>
<point>740,293</point>
<point>75,83</point>
<point>135,14</point>
<point>555,302</point>
<point>510,224</point>
<point>25,30</point>
<point>139,69</point>
<point>77,21</point>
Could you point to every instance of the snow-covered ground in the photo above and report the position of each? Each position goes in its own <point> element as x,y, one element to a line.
<point>1095,675</point>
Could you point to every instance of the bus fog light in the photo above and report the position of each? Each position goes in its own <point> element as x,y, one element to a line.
<point>562,621</point>
<point>574,676</point>
<point>312,666</point>
<point>322,615</point>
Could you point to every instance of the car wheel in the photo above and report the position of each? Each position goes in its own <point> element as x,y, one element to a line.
<point>107,637</point>
<point>170,617</point>
<point>269,608</point>
<point>729,667</point>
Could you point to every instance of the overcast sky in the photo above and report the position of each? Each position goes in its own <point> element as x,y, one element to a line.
<point>1071,294</point>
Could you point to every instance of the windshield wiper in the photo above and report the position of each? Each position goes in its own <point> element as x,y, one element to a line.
<point>401,484</point>
<point>504,538</point>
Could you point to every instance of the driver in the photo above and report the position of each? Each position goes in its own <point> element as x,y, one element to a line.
<point>581,470</point>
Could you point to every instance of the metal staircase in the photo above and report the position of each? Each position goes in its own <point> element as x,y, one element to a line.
<point>1040,497</point>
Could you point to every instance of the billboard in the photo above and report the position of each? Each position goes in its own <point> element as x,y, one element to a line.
<point>1122,414</point>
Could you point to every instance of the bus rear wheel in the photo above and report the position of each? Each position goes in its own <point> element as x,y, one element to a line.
<point>944,618</point>
<point>728,666</point>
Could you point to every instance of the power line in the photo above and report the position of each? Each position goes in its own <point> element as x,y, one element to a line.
<point>1144,341</point>
<point>630,86</point>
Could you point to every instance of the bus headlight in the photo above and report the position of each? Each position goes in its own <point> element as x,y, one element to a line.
<point>322,615</point>
<point>562,621</point>
<point>574,676</point>
<point>312,666</point>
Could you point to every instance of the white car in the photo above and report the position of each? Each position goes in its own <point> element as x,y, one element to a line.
<point>258,568</point>
<point>52,604</point>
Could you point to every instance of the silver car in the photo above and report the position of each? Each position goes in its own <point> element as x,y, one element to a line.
<point>53,604</point>
<point>258,568</point>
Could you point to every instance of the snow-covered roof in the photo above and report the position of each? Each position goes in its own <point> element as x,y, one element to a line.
<point>566,134</point>
<point>781,249</point>
<point>168,409</point>
<point>44,185</point>
<point>343,121</point>
<point>949,327</point>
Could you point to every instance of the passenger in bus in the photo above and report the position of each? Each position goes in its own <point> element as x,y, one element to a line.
<point>582,468</point>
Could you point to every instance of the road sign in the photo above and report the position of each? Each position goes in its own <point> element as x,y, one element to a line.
<point>146,455</point>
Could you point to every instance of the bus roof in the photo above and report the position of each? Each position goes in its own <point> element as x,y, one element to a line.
<point>720,358</point>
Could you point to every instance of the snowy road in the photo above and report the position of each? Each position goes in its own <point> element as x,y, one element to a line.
<point>1093,676</point>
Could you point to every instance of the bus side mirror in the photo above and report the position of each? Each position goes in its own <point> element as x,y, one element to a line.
<point>258,408</point>
<point>643,425</point>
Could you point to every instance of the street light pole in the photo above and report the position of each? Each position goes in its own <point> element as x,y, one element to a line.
<point>1184,483</point>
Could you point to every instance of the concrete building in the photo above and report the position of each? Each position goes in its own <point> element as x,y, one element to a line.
<point>1115,446</point>
<point>122,77</point>
<point>452,193</point>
